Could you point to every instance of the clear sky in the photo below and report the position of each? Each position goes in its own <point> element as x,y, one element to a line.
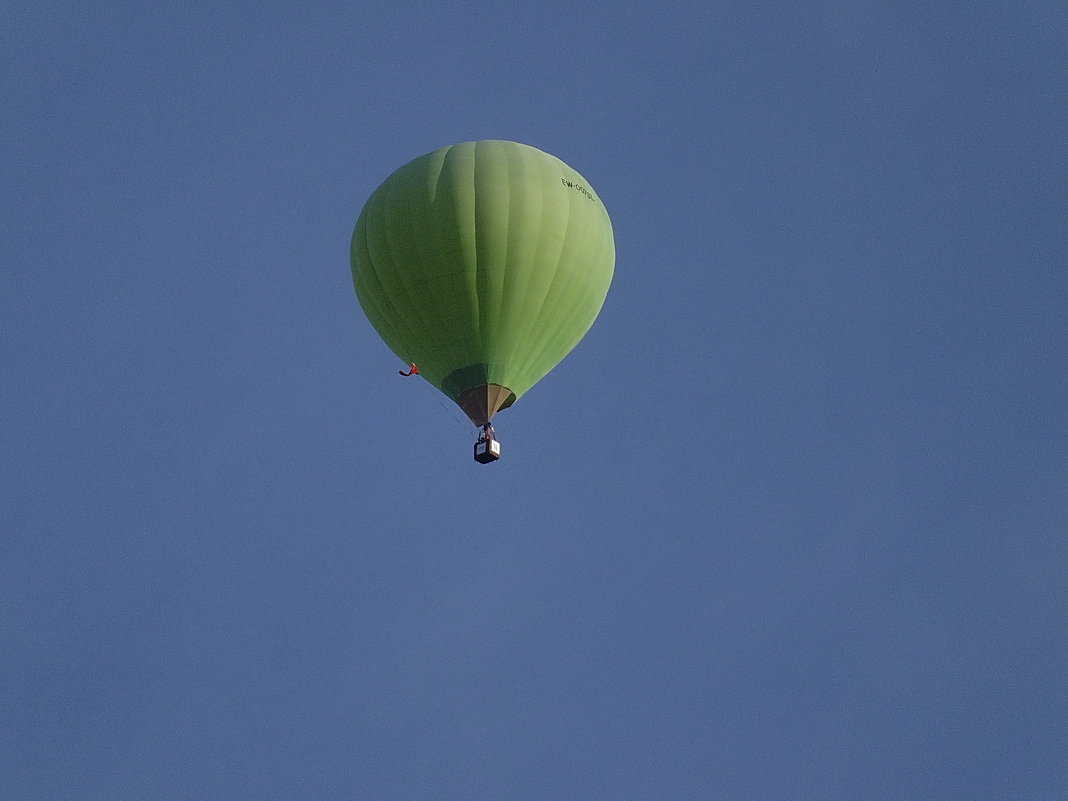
<point>790,523</point>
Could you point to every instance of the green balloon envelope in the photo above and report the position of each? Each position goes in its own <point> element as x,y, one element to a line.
<point>484,263</point>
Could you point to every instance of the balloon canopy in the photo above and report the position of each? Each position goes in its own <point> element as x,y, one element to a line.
<point>484,264</point>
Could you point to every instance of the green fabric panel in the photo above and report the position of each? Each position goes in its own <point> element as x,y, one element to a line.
<point>475,375</point>
<point>483,262</point>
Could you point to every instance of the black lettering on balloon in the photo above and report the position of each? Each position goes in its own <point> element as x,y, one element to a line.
<point>578,188</point>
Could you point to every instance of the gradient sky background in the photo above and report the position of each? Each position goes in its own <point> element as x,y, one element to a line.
<point>790,523</point>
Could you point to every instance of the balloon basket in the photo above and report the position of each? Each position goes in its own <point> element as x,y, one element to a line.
<point>487,450</point>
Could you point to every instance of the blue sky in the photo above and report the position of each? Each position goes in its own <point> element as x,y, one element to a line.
<point>788,524</point>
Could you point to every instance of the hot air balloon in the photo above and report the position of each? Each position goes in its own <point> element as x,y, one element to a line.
<point>482,265</point>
